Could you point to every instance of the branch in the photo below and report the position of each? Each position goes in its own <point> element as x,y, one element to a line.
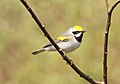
<point>70,62</point>
<point>109,14</point>
<point>107,5</point>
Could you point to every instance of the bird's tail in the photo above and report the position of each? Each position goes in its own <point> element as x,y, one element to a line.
<point>38,51</point>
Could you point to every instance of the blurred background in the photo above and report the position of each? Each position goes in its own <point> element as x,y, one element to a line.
<point>20,35</point>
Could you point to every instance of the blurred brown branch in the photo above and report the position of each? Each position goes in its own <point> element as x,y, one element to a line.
<point>109,14</point>
<point>69,61</point>
<point>107,5</point>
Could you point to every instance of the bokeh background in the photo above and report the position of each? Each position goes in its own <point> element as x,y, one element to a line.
<point>20,35</point>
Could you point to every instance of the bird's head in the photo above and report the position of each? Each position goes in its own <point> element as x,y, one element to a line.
<point>78,31</point>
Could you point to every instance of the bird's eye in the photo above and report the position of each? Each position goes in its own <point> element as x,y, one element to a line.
<point>76,32</point>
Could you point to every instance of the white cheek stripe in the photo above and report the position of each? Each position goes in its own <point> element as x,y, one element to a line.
<point>78,35</point>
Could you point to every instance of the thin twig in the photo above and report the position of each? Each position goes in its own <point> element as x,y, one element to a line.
<point>107,5</point>
<point>109,13</point>
<point>70,62</point>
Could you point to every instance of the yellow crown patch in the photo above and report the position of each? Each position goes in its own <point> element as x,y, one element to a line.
<point>78,28</point>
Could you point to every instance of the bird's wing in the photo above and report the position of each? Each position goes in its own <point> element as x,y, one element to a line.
<point>63,38</point>
<point>50,44</point>
<point>58,40</point>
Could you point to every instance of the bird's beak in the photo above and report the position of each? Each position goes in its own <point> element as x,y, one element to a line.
<point>84,31</point>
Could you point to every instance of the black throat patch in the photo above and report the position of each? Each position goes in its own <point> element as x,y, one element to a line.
<point>79,39</point>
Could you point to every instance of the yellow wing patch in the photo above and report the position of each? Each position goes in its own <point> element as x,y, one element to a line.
<point>78,28</point>
<point>63,38</point>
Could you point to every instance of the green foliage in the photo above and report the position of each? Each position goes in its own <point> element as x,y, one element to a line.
<point>19,36</point>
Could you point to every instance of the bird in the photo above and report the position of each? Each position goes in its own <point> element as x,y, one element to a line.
<point>68,41</point>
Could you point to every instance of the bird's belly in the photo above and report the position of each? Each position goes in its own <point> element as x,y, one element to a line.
<point>69,47</point>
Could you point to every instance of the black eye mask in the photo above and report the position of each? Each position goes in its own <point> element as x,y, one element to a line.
<point>76,32</point>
